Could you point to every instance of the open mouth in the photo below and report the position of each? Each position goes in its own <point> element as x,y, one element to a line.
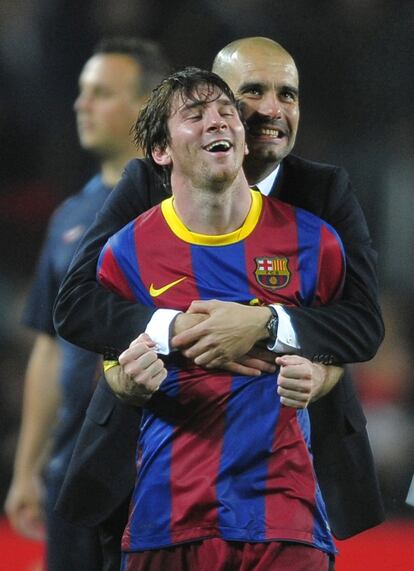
<point>221,146</point>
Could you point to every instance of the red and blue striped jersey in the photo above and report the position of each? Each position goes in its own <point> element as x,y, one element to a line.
<point>218,455</point>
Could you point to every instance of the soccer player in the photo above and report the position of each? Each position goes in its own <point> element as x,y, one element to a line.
<point>225,472</point>
<point>60,377</point>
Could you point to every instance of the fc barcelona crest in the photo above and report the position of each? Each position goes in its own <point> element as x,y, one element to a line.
<point>272,273</point>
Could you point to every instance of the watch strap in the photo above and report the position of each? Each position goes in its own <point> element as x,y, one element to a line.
<point>272,324</point>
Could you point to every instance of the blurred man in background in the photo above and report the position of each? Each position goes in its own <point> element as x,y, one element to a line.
<point>60,377</point>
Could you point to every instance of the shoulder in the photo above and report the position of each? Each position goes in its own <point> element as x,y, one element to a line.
<point>147,222</point>
<point>90,191</point>
<point>312,185</point>
<point>293,163</point>
<point>305,220</point>
<point>313,173</point>
<point>90,197</point>
<point>140,188</point>
<point>138,170</point>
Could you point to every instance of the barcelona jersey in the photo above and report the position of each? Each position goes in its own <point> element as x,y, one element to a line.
<point>218,455</point>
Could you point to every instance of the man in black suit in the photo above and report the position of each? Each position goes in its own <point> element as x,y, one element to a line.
<point>264,78</point>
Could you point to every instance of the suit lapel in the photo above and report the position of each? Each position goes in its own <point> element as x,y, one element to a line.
<point>288,187</point>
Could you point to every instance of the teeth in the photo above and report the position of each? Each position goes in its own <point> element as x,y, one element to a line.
<point>269,132</point>
<point>218,146</point>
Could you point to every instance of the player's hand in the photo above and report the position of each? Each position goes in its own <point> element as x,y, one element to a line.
<point>24,508</point>
<point>258,360</point>
<point>227,335</point>
<point>185,321</point>
<point>140,372</point>
<point>248,367</point>
<point>301,382</point>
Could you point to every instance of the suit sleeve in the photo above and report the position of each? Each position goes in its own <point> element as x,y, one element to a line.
<point>86,313</point>
<point>349,330</point>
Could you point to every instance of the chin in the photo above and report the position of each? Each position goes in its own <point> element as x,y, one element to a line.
<point>94,147</point>
<point>222,180</point>
<point>271,155</point>
<point>87,143</point>
<point>269,151</point>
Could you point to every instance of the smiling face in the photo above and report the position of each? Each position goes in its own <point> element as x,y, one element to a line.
<point>264,78</point>
<point>206,140</point>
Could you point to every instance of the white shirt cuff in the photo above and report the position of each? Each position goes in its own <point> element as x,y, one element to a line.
<point>286,341</point>
<point>158,329</point>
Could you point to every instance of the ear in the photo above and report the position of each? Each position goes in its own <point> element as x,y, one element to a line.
<point>246,149</point>
<point>162,156</point>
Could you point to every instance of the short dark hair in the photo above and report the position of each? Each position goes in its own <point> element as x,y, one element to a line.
<point>148,56</point>
<point>151,128</point>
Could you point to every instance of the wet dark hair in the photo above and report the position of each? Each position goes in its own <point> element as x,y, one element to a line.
<point>148,56</point>
<point>151,128</point>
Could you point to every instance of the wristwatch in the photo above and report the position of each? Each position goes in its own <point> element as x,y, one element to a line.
<point>273,323</point>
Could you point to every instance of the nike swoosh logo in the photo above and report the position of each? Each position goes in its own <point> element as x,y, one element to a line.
<point>155,292</point>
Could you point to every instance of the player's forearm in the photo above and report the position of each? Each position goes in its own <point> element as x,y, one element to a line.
<point>331,376</point>
<point>124,387</point>
<point>40,403</point>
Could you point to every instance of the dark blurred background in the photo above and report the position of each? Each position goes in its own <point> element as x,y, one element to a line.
<point>355,59</point>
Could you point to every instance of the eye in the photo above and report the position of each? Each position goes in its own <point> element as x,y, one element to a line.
<point>254,92</point>
<point>289,95</point>
<point>251,91</point>
<point>194,117</point>
<point>102,93</point>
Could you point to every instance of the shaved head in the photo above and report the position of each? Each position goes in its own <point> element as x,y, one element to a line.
<point>264,78</point>
<point>244,48</point>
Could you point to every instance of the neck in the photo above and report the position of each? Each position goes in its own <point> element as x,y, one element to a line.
<point>112,167</point>
<point>257,170</point>
<point>212,211</point>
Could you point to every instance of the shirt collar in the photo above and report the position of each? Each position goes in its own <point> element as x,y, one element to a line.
<point>266,185</point>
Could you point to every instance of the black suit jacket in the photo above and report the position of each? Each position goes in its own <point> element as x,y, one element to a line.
<point>102,471</point>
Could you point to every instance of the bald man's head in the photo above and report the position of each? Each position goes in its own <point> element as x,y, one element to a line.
<point>264,77</point>
<point>244,48</point>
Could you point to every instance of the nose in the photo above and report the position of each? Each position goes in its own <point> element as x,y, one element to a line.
<point>80,102</point>
<point>219,125</point>
<point>215,121</point>
<point>270,105</point>
<point>77,103</point>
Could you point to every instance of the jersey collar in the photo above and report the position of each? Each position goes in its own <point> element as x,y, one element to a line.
<point>180,230</point>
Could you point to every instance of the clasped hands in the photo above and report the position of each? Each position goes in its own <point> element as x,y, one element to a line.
<point>221,335</point>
